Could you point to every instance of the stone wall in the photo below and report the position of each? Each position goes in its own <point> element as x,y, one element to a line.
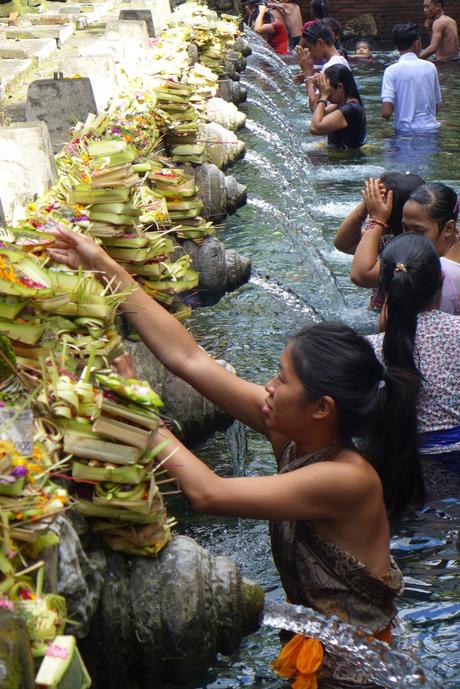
<point>386,13</point>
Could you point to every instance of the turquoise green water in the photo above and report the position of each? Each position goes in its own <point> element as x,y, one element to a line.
<point>298,194</point>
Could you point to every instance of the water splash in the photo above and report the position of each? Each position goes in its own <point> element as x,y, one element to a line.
<point>374,660</point>
<point>287,295</point>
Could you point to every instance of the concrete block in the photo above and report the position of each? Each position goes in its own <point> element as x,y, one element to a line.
<point>139,15</point>
<point>40,48</point>
<point>61,34</point>
<point>27,165</point>
<point>100,69</point>
<point>130,36</point>
<point>10,73</point>
<point>2,215</point>
<point>61,103</point>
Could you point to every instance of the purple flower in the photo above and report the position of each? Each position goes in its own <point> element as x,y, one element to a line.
<point>19,471</point>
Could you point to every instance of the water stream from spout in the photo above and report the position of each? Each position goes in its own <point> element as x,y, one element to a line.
<point>373,660</point>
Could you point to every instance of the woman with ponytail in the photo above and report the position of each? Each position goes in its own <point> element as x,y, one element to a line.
<point>420,339</point>
<point>330,505</point>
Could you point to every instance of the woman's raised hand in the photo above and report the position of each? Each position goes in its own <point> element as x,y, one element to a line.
<point>379,206</point>
<point>304,60</point>
<point>324,86</point>
<point>75,250</point>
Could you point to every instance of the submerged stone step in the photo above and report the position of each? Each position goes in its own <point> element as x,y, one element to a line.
<point>27,166</point>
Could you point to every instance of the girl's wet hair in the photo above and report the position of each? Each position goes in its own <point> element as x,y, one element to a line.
<point>375,405</point>
<point>402,185</point>
<point>410,278</point>
<point>319,9</point>
<point>340,74</point>
<point>440,201</point>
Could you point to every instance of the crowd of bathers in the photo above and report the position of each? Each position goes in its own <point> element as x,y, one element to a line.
<point>350,418</point>
<point>411,94</point>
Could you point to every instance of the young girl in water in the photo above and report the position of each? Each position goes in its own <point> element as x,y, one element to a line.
<point>421,339</point>
<point>329,505</point>
<point>339,111</point>
<point>432,210</point>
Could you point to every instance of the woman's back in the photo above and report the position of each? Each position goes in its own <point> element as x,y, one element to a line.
<point>437,343</point>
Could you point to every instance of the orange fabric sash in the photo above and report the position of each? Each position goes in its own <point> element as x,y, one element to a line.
<point>301,659</point>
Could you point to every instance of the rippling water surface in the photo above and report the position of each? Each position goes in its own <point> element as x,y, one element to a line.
<point>298,194</point>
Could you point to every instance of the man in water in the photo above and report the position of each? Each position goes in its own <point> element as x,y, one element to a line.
<point>444,34</point>
<point>410,87</point>
<point>288,12</point>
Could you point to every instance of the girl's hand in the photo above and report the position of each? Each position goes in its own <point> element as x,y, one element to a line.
<point>324,86</point>
<point>262,10</point>
<point>298,78</point>
<point>304,60</point>
<point>75,250</point>
<point>124,365</point>
<point>378,207</point>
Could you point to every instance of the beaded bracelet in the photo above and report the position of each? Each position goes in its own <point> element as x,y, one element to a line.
<point>321,100</point>
<point>372,222</point>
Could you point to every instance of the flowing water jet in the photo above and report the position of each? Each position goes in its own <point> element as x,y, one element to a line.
<point>372,660</point>
<point>250,82</point>
<point>290,158</point>
<point>287,295</point>
<point>318,273</point>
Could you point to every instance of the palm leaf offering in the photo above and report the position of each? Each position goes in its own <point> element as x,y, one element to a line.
<point>93,441</point>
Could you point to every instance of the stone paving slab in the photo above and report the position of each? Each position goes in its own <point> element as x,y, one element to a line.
<point>11,71</point>
<point>40,48</point>
<point>27,165</point>
<point>61,34</point>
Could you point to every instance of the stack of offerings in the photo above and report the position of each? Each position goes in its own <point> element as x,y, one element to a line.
<point>29,503</point>
<point>44,310</point>
<point>174,98</point>
<point>127,216</point>
<point>211,34</point>
<point>184,205</point>
<point>107,430</point>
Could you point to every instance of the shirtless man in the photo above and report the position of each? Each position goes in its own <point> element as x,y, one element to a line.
<point>444,34</point>
<point>288,12</point>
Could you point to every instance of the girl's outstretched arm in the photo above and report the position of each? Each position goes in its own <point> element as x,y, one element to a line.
<point>166,338</point>
<point>326,490</point>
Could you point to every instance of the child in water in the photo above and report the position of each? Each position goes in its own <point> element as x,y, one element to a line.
<point>362,51</point>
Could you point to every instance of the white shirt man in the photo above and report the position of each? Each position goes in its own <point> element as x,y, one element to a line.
<point>410,87</point>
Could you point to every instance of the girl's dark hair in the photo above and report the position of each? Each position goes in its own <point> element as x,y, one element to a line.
<point>402,185</point>
<point>335,27</point>
<point>339,74</point>
<point>410,277</point>
<point>319,9</point>
<point>318,30</point>
<point>440,201</point>
<point>375,404</point>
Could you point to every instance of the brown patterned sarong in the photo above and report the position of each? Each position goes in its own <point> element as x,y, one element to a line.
<point>318,574</point>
